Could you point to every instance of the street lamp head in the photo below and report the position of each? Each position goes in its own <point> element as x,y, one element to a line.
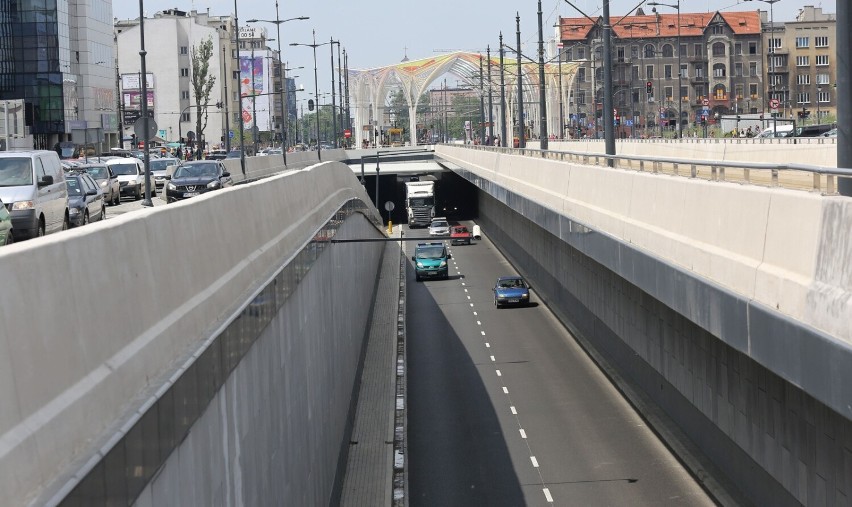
<point>252,21</point>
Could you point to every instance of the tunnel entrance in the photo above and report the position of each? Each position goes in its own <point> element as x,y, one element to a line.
<point>456,198</point>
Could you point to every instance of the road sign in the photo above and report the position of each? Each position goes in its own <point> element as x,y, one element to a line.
<point>347,133</point>
<point>230,134</point>
<point>139,128</point>
<point>389,205</point>
<point>705,102</point>
<point>774,103</point>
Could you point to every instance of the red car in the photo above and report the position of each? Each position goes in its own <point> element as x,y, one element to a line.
<point>460,235</point>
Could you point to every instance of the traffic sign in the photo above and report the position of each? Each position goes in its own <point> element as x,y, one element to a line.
<point>139,128</point>
<point>774,103</point>
<point>705,102</point>
<point>230,134</point>
<point>389,205</point>
<point>347,133</point>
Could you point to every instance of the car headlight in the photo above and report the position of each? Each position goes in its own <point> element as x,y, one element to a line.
<point>73,211</point>
<point>131,183</point>
<point>525,296</point>
<point>443,263</point>
<point>103,183</point>
<point>171,186</point>
<point>213,184</point>
<point>419,264</point>
<point>22,205</point>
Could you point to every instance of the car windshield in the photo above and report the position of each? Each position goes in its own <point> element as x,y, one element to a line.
<point>460,230</point>
<point>98,173</point>
<point>161,164</point>
<point>73,186</point>
<point>421,201</point>
<point>196,170</point>
<point>129,169</point>
<point>234,154</point>
<point>511,283</point>
<point>440,224</point>
<point>434,252</point>
<point>15,172</point>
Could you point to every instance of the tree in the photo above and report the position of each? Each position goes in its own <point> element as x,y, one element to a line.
<point>202,83</point>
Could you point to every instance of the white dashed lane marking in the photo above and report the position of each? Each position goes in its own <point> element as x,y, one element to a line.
<point>523,433</point>
<point>478,323</point>
<point>499,374</point>
<point>505,390</point>
<point>534,461</point>
<point>514,410</point>
<point>487,345</point>
<point>492,359</point>
<point>547,495</point>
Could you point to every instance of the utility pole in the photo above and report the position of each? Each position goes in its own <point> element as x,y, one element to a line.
<point>145,119</point>
<point>502,95</point>
<point>333,108</point>
<point>481,105</point>
<point>490,101</point>
<point>522,142</point>
<point>609,134</point>
<point>340,91</point>
<point>542,94</point>
<point>844,106</point>
<point>225,100</point>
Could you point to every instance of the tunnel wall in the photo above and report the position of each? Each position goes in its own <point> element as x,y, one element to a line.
<point>779,445</point>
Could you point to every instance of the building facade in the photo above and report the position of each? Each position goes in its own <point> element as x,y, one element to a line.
<point>686,67</point>
<point>801,67</point>
<point>57,58</point>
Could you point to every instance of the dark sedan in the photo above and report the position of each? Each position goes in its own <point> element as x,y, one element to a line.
<point>511,290</point>
<point>85,200</point>
<point>197,177</point>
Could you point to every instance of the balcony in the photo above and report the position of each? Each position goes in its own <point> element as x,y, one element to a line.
<point>623,60</point>
<point>698,79</point>
<point>702,57</point>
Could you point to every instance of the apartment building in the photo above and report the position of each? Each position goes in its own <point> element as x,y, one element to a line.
<point>665,66</point>
<point>801,68</point>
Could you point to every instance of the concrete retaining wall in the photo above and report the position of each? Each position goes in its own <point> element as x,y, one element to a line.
<point>92,321</point>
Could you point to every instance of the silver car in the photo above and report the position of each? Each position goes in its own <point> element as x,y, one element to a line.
<point>439,227</point>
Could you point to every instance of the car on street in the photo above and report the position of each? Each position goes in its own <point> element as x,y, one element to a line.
<point>7,236</point>
<point>32,184</point>
<point>831,133</point>
<point>159,170</point>
<point>511,290</point>
<point>197,177</point>
<point>217,155</point>
<point>85,199</point>
<point>131,176</point>
<point>439,227</point>
<point>233,154</point>
<point>431,261</point>
<point>460,235</point>
<point>107,181</point>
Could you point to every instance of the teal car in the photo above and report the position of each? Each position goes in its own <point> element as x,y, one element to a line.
<point>430,261</point>
<point>6,237</point>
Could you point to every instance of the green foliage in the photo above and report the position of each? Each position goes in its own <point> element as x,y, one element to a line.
<point>202,82</point>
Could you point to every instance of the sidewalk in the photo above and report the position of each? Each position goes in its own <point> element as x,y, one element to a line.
<point>370,469</point>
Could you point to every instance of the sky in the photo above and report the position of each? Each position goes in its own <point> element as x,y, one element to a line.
<point>381,32</point>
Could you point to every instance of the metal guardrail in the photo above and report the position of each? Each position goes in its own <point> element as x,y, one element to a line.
<point>717,169</point>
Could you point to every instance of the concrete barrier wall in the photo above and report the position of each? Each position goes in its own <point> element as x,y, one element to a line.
<point>299,374</point>
<point>809,151</point>
<point>92,320</point>
<point>759,242</point>
<point>268,165</point>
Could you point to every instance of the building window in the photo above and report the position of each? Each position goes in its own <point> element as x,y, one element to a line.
<point>752,48</point>
<point>668,51</point>
<point>822,60</point>
<point>684,93</point>
<point>774,43</point>
<point>720,92</point>
<point>752,90</point>
<point>699,93</point>
<point>184,50</point>
<point>718,49</point>
<point>636,95</point>
<point>821,42</point>
<point>822,79</point>
<point>581,97</point>
<point>634,52</point>
<point>683,50</point>
<point>718,29</point>
<point>738,49</point>
<point>581,74</point>
<point>581,53</point>
<point>738,69</point>
<point>752,69</point>
<point>777,80</point>
<point>719,70</point>
<point>649,51</point>
<point>803,61</point>
<point>699,70</point>
<point>635,73</point>
<point>568,55</point>
<point>184,72</point>
<point>184,117</point>
<point>804,98</point>
<point>649,72</point>
<point>620,53</point>
<point>698,49</point>
<point>668,71</point>
<point>776,61</point>
<point>184,94</point>
<point>684,70</point>
<point>803,79</point>
<point>668,91</point>
<point>824,97</point>
<point>236,74</point>
<point>803,42</point>
<point>738,90</point>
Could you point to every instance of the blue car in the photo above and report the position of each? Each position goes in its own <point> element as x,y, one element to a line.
<point>511,290</point>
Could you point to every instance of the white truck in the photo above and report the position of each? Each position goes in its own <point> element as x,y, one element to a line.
<point>420,202</point>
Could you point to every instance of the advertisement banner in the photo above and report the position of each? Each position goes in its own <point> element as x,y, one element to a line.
<point>134,81</point>
<point>133,99</point>
<point>254,86</point>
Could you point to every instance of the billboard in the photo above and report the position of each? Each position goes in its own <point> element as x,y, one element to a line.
<point>254,89</point>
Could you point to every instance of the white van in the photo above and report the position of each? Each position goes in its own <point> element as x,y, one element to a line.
<point>32,185</point>
<point>777,131</point>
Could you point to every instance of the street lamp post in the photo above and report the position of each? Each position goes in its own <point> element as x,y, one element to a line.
<point>502,95</point>
<point>282,76</point>
<point>522,142</point>
<point>144,84</point>
<point>679,70</point>
<point>314,45</point>
<point>331,43</point>
<point>240,70</point>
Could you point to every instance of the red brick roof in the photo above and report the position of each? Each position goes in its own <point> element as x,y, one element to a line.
<point>664,25</point>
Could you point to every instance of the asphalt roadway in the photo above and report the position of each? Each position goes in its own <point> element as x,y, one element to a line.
<point>504,408</point>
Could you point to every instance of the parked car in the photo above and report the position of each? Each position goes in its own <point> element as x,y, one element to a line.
<point>7,236</point>
<point>233,154</point>
<point>511,290</point>
<point>460,235</point>
<point>107,181</point>
<point>197,177</point>
<point>131,176</point>
<point>85,199</point>
<point>159,169</point>
<point>32,184</point>
<point>217,155</point>
<point>439,227</point>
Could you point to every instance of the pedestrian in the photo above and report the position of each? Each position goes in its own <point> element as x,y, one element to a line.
<point>748,132</point>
